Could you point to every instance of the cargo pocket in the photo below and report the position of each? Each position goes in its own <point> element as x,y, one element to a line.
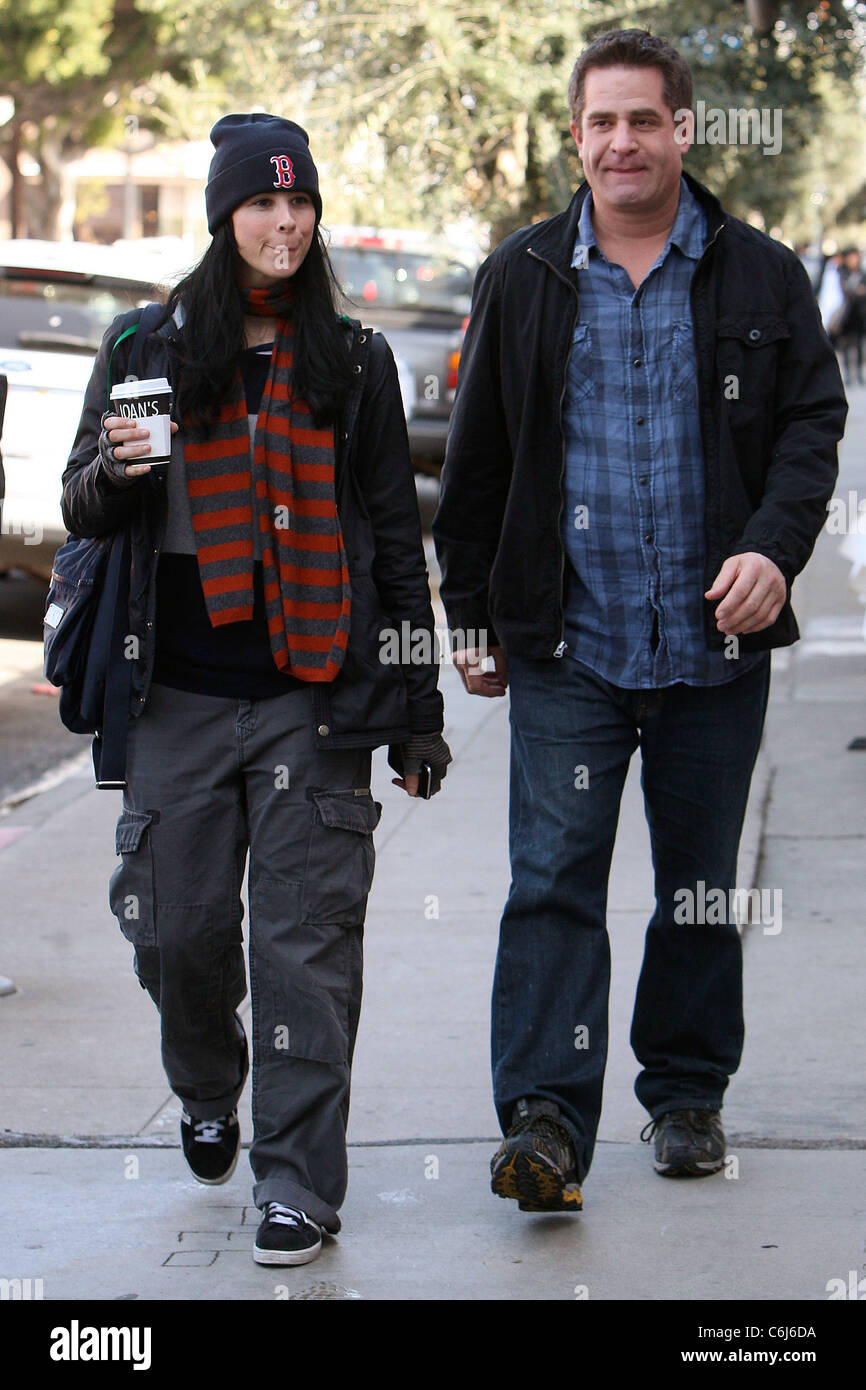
<point>341,857</point>
<point>300,981</point>
<point>131,890</point>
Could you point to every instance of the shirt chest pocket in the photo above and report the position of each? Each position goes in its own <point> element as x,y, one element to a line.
<point>684,365</point>
<point>580,381</point>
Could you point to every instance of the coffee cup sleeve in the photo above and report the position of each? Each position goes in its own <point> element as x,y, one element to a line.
<point>114,468</point>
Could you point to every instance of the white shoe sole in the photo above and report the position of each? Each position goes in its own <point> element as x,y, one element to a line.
<point>286,1257</point>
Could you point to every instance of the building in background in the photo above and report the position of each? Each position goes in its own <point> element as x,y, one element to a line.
<point>141,189</point>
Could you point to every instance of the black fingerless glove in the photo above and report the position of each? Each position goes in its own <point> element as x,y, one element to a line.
<point>431,749</point>
<point>112,467</point>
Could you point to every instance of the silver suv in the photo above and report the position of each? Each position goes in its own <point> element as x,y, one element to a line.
<point>56,301</point>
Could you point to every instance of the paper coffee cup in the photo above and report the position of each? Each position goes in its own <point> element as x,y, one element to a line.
<point>147,404</point>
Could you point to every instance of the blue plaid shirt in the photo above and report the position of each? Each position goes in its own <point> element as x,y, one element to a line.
<point>633,490</point>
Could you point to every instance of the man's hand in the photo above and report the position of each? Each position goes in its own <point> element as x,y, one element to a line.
<point>752,589</point>
<point>476,681</point>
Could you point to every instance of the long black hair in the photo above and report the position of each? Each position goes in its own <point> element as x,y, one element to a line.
<point>204,350</point>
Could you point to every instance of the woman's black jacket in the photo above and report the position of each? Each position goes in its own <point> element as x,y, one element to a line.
<point>370,702</point>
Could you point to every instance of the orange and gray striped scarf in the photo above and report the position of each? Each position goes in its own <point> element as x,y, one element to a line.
<point>291,481</point>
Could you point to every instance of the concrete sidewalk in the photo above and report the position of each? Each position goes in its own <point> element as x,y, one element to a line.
<point>99,1203</point>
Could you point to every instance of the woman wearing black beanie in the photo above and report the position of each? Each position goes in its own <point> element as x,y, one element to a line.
<point>270,559</point>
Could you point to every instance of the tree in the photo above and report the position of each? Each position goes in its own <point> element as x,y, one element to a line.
<point>77,70</point>
<point>445,108</point>
<point>440,108</point>
<point>807,70</point>
<point>58,61</point>
<point>429,113</point>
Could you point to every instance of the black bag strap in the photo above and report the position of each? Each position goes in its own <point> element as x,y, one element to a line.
<point>109,746</point>
<point>148,319</point>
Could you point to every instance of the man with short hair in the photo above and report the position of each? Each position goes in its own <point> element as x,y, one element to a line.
<point>642,448</point>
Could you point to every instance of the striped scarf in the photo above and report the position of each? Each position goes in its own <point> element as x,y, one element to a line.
<point>291,483</point>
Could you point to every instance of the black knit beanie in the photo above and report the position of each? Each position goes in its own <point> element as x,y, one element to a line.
<point>254,154</point>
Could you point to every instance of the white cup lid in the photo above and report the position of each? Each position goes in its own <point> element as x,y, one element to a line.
<point>124,389</point>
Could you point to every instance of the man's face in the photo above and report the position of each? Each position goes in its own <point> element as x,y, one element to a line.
<point>627,140</point>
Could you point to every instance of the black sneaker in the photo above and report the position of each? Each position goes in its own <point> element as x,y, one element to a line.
<point>211,1147</point>
<point>286,1236</point>
<point>535,1163</point>
<point>688,1143</point>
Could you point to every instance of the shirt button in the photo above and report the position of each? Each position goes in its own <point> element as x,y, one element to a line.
<point>754,334</point>
<point>637,362</point>
<point>643,480</point>
<point>324,730</point>
<point>640,419</point>
<point>648,537</point>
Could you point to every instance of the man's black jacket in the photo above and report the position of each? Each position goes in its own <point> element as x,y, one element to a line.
<point>370,702</point>
<point>769,436</point>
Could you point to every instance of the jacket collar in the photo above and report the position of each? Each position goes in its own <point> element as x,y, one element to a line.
<point>554,240</point>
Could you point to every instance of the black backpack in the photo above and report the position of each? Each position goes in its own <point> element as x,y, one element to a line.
<point>87,622</point>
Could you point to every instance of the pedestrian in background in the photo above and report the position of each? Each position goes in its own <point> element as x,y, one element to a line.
<point>268,557</point>
<point>831,295</point>
<point>849,338</point>
<point>642,449</point>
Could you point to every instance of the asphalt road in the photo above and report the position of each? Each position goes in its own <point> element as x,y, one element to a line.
<point>33,742</point>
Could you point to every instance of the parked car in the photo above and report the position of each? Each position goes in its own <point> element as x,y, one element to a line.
<point>417,293</point>
<point>56,301</point>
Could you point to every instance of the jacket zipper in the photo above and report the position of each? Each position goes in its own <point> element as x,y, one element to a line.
<point>560,649</point>
<point>701,405</point>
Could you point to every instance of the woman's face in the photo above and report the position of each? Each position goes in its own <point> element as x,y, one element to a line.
<point>273,232</point>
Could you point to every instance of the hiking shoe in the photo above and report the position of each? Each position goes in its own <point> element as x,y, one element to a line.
<point>286,1236</point>
<point>688,1143</point>
<point>535,1163</point>
<point>211,1147</point>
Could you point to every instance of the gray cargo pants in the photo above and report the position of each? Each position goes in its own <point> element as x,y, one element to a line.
<point>208,779</point>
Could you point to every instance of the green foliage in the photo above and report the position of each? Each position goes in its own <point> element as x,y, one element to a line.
<point>444,109</point>
<point>808,70</point>
<point>441,108</point>
<point>438,110</point>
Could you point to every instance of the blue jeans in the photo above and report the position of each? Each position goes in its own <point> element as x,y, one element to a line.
<point>572,737</point>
